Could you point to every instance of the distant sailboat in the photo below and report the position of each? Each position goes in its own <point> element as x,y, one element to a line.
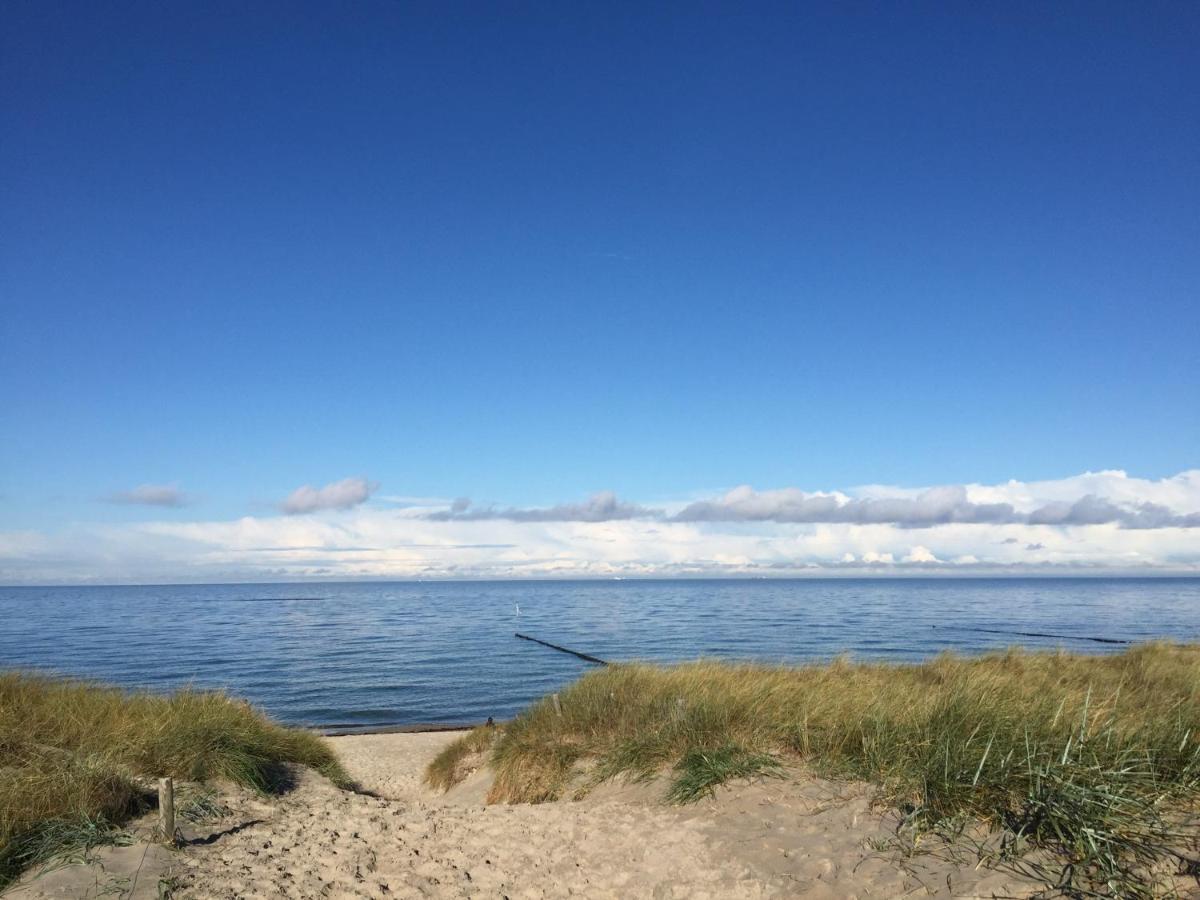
<point>517,607</point>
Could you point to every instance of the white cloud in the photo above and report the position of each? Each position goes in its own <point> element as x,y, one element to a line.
<point>920,554</point>
<point>605,536</point>
<point>603,506</point>
<point>344,494</point>
<point>1089,499</point>
<point>934,506</point>
<point>150,495</point>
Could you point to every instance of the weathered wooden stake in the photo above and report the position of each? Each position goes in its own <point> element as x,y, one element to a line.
<point>557,705</point>
<point>166,809</point>
<point>584,656</point>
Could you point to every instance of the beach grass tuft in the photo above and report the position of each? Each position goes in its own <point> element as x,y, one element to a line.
<point>74,757</point>
<point>1095,759</point>
<point>458,758</point>
<point>700,770</point>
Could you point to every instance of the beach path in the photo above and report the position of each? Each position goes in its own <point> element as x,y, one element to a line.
<point>395,838</point>
<point>776,838</point>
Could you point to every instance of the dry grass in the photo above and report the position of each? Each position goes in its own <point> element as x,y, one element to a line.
<point>71,754</point>
<point>1095,758</point>
<point>460,758</point>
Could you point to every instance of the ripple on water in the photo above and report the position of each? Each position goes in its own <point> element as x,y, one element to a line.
<point>382,654</point>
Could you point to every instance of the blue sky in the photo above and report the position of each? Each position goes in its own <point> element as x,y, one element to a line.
<point>525,253</point>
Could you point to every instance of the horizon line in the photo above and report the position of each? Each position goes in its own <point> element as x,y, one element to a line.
<point>596,579</point>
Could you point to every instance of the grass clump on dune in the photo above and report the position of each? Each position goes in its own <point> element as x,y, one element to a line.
<point>460,757</point>
<point>72,755</point>
<point>701,769</point>
<point>1094,758</point>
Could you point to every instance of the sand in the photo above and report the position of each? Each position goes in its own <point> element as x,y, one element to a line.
<point>789,837</point>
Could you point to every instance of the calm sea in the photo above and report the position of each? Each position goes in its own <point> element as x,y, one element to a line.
<point>372,654</point>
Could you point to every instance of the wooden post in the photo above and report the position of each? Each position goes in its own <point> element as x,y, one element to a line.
<point>557,705</point>
<point>584,656</point>
<point>166,809</point>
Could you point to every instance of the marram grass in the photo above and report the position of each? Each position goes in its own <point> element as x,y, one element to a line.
<point>72,753</point>
<point>1095,759</point>
<point>457,759</point>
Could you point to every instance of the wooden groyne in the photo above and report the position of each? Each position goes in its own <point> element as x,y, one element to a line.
<point>584,656</point>
<point>1041,634</point>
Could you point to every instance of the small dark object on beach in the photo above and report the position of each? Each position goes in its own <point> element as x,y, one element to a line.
<point>490,722</point>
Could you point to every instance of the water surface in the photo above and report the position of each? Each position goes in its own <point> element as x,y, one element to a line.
<point>374,654</point>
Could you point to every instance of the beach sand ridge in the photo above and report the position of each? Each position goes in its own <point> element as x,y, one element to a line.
<point>396,838</point>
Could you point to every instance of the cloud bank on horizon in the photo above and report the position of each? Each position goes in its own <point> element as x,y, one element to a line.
<point>942,505</point>
<point>1096,522</point>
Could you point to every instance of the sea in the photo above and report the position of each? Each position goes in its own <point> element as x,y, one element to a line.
<point>369,655</point>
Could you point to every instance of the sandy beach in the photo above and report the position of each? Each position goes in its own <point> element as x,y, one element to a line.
<point>795,836</point>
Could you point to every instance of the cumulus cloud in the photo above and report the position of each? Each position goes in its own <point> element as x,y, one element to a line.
<point>1013,503</point>
<point>604,506</point>
<point>1092,523</point>
<point>1093,510</point>
<point>344,494</point>
<point>934,506</point>
<point>150,495</point>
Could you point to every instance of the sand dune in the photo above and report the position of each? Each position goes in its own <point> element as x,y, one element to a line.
<point>776,838</point>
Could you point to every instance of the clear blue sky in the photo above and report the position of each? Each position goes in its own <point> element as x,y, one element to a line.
<point>524,252</point>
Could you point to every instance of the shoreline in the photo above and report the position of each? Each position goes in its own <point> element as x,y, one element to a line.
<point>814,775</point>
<point>336,731</point>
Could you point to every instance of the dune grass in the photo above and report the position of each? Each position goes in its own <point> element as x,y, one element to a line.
<point>1093,758</point>
<point>460,757</point>
<point>72,754</point>
<point>702,769</point>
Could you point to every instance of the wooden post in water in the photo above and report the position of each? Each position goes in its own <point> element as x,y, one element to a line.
<point>557,705</point>
<point>166,809</point>
<point>583,656</point>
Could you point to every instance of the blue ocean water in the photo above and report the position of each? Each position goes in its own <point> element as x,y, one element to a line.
<point>372,654</point>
